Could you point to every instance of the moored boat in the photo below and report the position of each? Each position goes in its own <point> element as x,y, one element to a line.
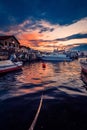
<point>55,57</point>
<point>84,77</point>
<point>84,65</point>
<point>8,66</point>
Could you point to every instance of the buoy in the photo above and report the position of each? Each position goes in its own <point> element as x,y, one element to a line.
<point>43,65</point>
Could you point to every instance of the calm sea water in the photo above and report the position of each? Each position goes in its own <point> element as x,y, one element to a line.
<point>64,97</point>
<point>64,76</point>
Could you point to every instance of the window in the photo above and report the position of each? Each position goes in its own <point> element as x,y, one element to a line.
<point>12,41</point>
<point>9,44</point>
<point>5,43</point>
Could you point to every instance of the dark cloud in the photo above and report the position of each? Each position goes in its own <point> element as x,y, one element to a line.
<point>46,29</point>
<point>57,11</point>
<point>41,40</point>
<point>50,46</point>
<point>80,47</point>
<point>75,36</point>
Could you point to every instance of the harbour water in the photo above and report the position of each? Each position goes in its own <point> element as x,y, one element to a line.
<point>64,104</point>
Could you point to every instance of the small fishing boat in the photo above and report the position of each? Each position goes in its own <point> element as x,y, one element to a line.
<point>8,66</point>
<point>84,65</point>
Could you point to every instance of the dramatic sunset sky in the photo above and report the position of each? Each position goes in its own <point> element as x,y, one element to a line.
<point>42,24</point>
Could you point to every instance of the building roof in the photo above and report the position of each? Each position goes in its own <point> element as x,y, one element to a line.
<point>7,37</point>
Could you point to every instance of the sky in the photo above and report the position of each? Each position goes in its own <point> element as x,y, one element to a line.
<point>45,24</point>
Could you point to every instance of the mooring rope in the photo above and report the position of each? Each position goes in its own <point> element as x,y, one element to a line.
<point>37,114</point>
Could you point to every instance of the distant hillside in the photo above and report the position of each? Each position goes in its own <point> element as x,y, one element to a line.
<point>82,47</point>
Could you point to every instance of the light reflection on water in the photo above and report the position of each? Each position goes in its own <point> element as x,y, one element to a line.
<point>58,77</point>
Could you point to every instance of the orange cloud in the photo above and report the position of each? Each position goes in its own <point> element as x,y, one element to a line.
<point>29,39</point>
<point>43,35</point>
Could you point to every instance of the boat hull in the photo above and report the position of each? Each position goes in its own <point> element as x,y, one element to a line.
<point>84,77</point>
<point>84,66</point>
<point>9,67</point>
<point>84,70</point>
<point>55,59</point>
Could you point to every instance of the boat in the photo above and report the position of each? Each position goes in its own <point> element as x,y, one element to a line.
<point>55,57</point>
<point>84,65</point>
<point>8,66</point>
<point>84,77</point>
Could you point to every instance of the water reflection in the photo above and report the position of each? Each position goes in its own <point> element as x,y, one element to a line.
<point>64,77</point>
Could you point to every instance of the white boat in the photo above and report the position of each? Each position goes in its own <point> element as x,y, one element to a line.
<point>8,66</point>
<point>84,65</point>
<point>55,57</point>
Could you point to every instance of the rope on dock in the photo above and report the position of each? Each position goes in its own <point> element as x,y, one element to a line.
<point>37,114</point>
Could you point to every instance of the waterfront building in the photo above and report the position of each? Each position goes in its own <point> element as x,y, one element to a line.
<point>8,45</point>
<point>9,42</point>
<point>24,49</point>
